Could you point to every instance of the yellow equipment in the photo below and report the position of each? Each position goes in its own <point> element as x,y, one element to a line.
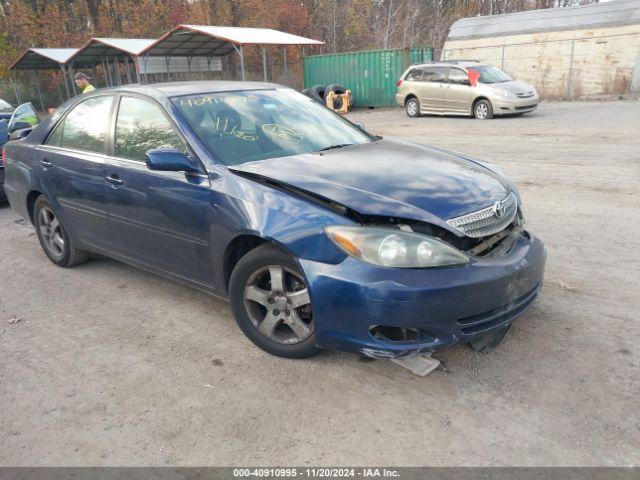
<point>338,102</point>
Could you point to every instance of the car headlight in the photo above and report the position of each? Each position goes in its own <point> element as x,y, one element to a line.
<point>505,93</point>
<point>395,248</point>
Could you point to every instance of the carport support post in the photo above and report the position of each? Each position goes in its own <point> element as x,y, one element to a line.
<point>136,65</point>
<point>264,64</point>
<point>241,53</point>
<point>14,81</point>
<point>64,77</point>
<point>35,80</point>
<point>73,84</point>
<point>146,75</point>
<point>104,71</point>
<point>126,68</point>
<point>284,65</point>
<point>116,66</point>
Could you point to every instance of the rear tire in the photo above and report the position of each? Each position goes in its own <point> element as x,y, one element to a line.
<point>54,238</point>
<point>483,110</point>
<point>317,93</point>
<point>412,107</point>
<point>270,302</point>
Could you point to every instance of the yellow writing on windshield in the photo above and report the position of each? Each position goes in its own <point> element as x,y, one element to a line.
<point>280,131</point>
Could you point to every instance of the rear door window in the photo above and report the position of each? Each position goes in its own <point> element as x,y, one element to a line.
<point>435,74</point>
<point>414,75</point>
<point>142,125</point>
<point>85,126</point>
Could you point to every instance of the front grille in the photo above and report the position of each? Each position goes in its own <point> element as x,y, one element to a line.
<point>526,107</point>
<point>487,221</point>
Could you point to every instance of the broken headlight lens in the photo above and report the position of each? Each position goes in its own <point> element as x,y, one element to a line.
<point>395,248</point>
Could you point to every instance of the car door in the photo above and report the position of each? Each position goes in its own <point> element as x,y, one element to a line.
<point>160,219</point>
<point>71,167</point>
<point>430,89</point>
<point>458,94</point>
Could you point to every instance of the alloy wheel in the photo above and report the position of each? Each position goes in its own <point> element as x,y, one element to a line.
<point>277,301</point>
<point>482,111</point>
<point>51,232</point>
<point>412,108</point>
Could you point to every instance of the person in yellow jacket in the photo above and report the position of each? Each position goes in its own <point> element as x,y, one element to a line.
<point>82,81</point>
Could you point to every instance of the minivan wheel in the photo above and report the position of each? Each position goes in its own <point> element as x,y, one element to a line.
<point>412,107</point>
<point>483,110</point>
<point>270,302</point>
<point>54,239</point>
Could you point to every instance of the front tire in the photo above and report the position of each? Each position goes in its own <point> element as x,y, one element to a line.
<point>270,302</point>
<point>412,107</point>
<point>483,110</point>
<point>54,238</point>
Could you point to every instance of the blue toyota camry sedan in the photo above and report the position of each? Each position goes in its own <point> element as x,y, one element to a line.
<point>320,234</point>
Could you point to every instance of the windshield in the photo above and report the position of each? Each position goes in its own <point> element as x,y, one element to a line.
<point>491,75</point>
<point>254,125</point>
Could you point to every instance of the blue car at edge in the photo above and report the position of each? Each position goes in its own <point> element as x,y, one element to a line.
<point>321,235</point>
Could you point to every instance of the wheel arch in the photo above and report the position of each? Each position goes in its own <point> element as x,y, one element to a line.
<point>409,97</point>
<point>32,196</point>
<point>240,246</point>
<point>243,244</point>
<point>475,102</point>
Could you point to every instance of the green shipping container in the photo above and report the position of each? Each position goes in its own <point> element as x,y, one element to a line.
<point>371,76</point>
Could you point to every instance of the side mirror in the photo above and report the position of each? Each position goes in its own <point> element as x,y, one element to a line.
<point>24,116</point>
<point>170,160</point>
<point>360,125</point>
<point>21,133</point>
<point>19,125</point>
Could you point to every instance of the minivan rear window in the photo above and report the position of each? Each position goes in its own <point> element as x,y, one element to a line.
<point>435,74</point>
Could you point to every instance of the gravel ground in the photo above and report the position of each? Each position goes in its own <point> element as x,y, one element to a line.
<point>103,364</point>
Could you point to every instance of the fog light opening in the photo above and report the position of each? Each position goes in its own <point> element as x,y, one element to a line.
<point>395,334</point>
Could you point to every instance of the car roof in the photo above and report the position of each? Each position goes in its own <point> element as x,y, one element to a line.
<point>448,63</point>
<point>194,87</point>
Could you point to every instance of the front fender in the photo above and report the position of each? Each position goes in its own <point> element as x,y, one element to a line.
<point>246,207</point>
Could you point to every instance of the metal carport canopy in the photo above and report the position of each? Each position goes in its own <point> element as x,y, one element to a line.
<point>108,52</point>
<point>95,49</point>
<point>211,41</point>
<point>43,59</point>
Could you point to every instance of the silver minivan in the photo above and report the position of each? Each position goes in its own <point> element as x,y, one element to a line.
<point>463,88</point>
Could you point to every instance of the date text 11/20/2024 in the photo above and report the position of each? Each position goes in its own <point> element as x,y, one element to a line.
<point>316,472</point>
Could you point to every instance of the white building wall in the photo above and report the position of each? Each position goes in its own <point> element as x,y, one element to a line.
<point>561,64</point>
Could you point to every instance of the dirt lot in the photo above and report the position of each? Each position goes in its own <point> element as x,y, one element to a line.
<point>106,365</point>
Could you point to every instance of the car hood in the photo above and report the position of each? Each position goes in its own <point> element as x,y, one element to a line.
<point>513,87</point>
<point>389,178</point>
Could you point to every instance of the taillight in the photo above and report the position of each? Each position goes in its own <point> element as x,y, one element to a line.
<point>4,157</point>
<point>398,83</point>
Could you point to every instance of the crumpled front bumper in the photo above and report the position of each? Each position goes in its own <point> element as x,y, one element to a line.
<point>446,305</point>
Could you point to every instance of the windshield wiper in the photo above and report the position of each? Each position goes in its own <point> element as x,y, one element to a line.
<point>333,147</point>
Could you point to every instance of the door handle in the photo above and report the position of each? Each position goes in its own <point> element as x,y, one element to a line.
<point>45,163</point>
<point>114,180</point>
